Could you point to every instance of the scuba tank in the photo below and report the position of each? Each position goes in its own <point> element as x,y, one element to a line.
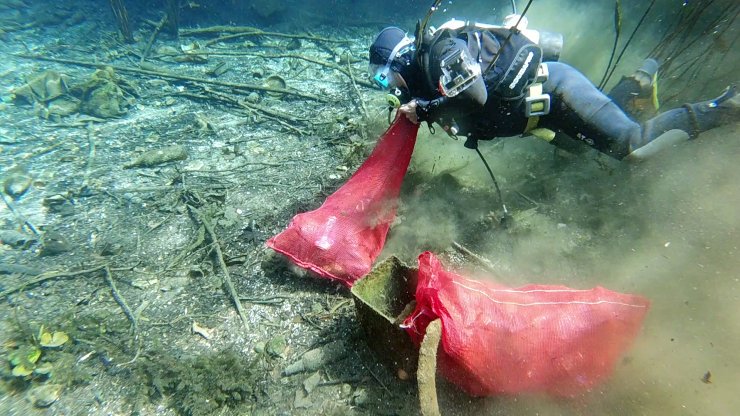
<point>550,42</point>
<point>521,50</point>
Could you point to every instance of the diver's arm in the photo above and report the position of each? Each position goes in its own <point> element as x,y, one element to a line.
<point>462,80</point>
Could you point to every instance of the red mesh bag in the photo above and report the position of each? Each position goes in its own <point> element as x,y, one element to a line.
<point>536,338</point>
<point>341,239</point>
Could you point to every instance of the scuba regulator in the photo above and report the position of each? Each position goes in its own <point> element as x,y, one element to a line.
<point>394,99</point>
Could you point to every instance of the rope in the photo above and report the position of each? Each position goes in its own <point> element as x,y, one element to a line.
<point>619,58</point>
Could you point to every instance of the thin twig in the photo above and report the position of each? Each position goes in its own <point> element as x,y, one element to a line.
<point>266,112</point>
<point>374,375</point>
<point>530,200</point>
<point>90,155</point>
<point>197,242</point>
<point>224,269</point>
<point>252,31</point>
<point>316,61</point>
<point>108,276</point>
<point>272,300</point>
<point>365,116</point>
<point>21,219</point>
<point>51,275</point>
<point>484,262</point>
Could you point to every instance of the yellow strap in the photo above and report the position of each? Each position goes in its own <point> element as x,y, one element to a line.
<point>531,124</point>
<point>543,133</point>
<point>534,89</point>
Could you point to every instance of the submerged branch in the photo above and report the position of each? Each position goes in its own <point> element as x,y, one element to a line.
<point>224,269</point>
<point>237,31</point>
<point>108,275</point>
<point>52,275</point>
<point>169,75</point>
<point>152,38</point>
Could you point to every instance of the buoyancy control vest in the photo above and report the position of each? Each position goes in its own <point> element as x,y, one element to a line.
<point>517,67</point>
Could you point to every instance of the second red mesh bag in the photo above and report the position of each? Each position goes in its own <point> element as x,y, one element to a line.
<point>536,338</point>
<point>342,238</point>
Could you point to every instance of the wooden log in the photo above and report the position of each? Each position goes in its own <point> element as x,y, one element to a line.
<point>173,17</point>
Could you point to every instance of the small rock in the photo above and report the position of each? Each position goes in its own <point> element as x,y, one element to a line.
<point>53,243</point>
<point>360,397</point>
<point>293,45</point>
<point>276,346</point>
<point>17,181</point>
<point>157,157</point>
<point>206,333</point>
<point>317,357</point>
<point>59,204</point>
<point>310,383</point>
<point>253,97</point>
<point>301,400</point>
<point>15,238</point>
<point>45,395</point>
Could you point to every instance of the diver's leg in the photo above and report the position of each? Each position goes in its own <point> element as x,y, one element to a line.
<point>693,118</point>
<point>581,111</point>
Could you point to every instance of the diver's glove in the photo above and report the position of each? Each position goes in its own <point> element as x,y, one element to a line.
<point>425,109</point>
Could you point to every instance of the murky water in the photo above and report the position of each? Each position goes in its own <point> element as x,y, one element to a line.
<point>666,228</point>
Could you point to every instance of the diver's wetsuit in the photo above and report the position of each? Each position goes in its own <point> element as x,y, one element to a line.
<point>581,111</point>
<point>578,109</point>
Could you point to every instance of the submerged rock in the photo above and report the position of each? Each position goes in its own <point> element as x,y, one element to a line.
<point>54,243</point>
<point>17,181</point>
<point>15,238</point>
<point>105,94</point>
<point>158,157</point>
<point>45,395</point>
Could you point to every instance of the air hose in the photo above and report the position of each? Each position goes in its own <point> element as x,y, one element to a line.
<point>506,219</point>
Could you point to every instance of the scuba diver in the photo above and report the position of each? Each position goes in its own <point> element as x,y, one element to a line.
<point>482,81</point>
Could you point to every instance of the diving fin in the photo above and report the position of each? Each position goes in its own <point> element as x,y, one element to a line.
<point>637,94</point>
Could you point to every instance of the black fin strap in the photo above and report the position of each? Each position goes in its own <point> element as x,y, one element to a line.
<point>695,130</point>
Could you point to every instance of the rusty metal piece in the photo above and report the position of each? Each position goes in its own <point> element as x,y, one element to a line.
<point>382,300</point>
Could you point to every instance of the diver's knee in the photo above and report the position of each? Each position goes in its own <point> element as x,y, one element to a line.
<point>666,140</point>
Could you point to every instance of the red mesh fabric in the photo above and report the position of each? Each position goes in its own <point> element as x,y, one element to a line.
<point>536,338</point>
<point>341,239</point>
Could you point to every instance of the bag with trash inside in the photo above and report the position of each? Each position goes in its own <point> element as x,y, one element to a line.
<point>341,239</point>
<point>536,338</point>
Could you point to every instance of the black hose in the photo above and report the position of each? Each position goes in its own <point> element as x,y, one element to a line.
<point>422,25</point>
<point>617,32</point>
<point>495,182</point>
<point>511,32</point>
<point>619,58</point>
